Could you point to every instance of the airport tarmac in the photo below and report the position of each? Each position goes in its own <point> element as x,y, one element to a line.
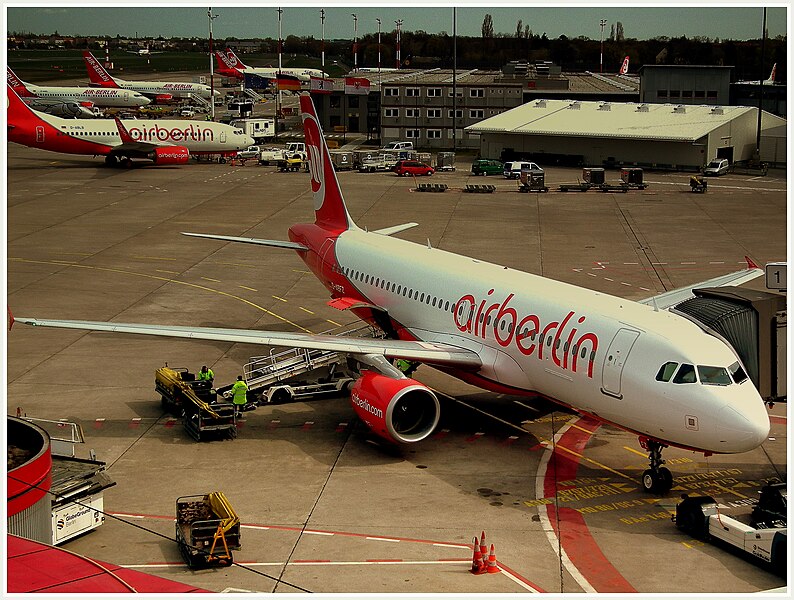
<point>326,507</point>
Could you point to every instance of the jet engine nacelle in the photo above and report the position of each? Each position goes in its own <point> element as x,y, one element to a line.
<point>87,104</point>
<point>163,98</point>
<point>170,155</point>
<point>399,410</point>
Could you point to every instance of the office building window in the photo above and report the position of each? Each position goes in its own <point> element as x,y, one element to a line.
<point>412,113</point>
<point>391,113</point>
<point>433,113</point>
<point>434,134</point>
<point>391,92</point>
<point>661,93</point>
<point>477,93</point>
<point>477,114</point>
<point>458,113</point>
<point>412,92</point>
<point>412,134</point>
<point>434,92</point>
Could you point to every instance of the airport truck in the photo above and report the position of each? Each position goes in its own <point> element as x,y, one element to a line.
<point>259,129</point>
<point>274,155</point>
<point>382,162</point>
<point>760,533</point>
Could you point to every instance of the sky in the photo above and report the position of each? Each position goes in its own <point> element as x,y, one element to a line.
<point>723,20</point>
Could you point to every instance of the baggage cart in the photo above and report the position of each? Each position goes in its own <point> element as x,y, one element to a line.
<point>342,160</point>
<point>207,530</point>
<point>532,182</point>
<point>632,177</point>
<point>593,176</point>
<point>445,161</point>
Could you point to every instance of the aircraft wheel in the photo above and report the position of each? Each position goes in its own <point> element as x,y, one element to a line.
<point>666,480</point>
<point>650,481</point>
<point>110,160</point>
<point>126,163</point>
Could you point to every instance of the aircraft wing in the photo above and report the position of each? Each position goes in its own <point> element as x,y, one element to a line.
<point>432,353</point>
<point>673,297</point>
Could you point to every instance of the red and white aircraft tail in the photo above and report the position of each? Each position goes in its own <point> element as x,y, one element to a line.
<point>18,85</point>
<point>97,73</point>
<point>772,74</point>
<point>18,112</point>
<point>329,205</point>
<point>227,66</point>
<point>624,68</point>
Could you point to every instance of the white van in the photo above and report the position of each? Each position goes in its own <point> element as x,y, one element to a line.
<point>512,170</point>
<point>399,146</point>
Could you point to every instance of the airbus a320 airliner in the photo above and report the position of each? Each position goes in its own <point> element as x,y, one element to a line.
<point>634,365</point>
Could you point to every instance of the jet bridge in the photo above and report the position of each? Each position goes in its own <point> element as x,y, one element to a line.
<point>754,323</point>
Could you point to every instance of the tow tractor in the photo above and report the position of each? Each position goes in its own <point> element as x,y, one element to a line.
<point>698,184</point>
<point>760,533</point>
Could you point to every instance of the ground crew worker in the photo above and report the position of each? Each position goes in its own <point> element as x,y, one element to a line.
<point>206,374</point>
<point>239,391</point>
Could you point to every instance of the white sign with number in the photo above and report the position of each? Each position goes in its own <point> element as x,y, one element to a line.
<point>776,277</point>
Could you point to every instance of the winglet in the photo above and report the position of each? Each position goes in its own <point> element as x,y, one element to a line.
<point>10,318</point>
<point>751,263</point>
<point>124,135</point>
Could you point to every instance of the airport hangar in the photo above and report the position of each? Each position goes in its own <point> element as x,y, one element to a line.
<point>661,136</point>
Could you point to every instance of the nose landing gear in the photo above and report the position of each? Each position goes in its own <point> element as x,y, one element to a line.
<point>657,479</point>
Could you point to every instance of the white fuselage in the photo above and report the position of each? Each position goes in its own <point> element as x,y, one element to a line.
<point>272,72</point>
<point>105,97</point>
<point>596,353</point>
<point>172,88</point>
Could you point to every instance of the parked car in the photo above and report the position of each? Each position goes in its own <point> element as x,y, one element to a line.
<point>187,112</point>
<point>399,146</point>
<point>250,152</point>
<point>718,166</point>
<point>512,170</point>
<point>412,167</point>
<point>486,166</point>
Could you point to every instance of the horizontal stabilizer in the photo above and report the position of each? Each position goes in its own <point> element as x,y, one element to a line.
<point>246,240</point>
<point>428,352</point>
<point>395,229</point>
<point>673,297</point>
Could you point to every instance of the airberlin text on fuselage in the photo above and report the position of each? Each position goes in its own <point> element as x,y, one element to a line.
<point>508,328</point>
<point>162,134</point>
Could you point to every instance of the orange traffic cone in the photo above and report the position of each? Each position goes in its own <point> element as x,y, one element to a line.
<point>477,564</point>
<point>483,546</point>
<point>492,568</point>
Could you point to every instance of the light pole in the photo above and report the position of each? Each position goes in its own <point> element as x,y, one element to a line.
<point>380,91</point>
<point>322,41</point>
<point>278,87</point>
<point>378,20</point>
<point>211,18</point>
<point>398,23</point>
<point>355,42</point>
<point>603,24</point>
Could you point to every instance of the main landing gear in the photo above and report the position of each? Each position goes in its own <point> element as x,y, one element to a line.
<point>657,479</point>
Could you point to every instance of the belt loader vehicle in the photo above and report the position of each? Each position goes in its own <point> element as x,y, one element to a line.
<point>760,533</point>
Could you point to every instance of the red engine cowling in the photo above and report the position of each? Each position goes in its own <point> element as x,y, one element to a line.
<point>170,155</point>
<point>163,98</point>
<point>399,410</point>
<point>87,104</point>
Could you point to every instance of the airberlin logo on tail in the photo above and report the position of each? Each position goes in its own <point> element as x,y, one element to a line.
<point>503,323</point>
<point>92,62</point>
<point>229,58</point>
<point>625,67</point>
<point>314,147</point>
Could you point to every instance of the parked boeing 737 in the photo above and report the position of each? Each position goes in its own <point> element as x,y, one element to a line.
<point>87,96</point>
<point>229,65</point>
<point>158,91</point>
<point>634,365</point>
<point>161,141</point>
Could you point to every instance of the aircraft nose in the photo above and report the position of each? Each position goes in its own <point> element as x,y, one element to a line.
<point>747,425</point>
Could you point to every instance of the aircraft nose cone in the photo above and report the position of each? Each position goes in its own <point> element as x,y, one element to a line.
<point>746,429</point>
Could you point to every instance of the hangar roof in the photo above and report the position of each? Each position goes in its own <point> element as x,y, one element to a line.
<point>611,119</point>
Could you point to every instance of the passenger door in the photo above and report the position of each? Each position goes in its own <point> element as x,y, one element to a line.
<point>615,359</point>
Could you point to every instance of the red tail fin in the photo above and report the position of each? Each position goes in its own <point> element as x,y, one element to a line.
<point>17,110</point>
<point>96,72</point>
<point>772,74</point>
<point>124,135</point>
<point>17,85</point>
<point>329,206</point>
<point>226,66</point>
<point>234,60</point>
<point>624,68</point>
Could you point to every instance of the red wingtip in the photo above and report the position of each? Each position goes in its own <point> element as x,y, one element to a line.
<point>10,318</point>
<point>751,263</point>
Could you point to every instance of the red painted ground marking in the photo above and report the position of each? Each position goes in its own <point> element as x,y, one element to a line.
<point>341,427</point>
<point>170,423</point>
<point>441,434</point>
<point>523,580</point>
<point>274,423</point>
<point>475,437</point>
<point>510,440</point>
<point>135,423</point>
<point>537,447</point>
<point>99,423</point>
<point>307,425</point>
<point>569,524</point>
<point>240,423</point>
<point>778,420</point>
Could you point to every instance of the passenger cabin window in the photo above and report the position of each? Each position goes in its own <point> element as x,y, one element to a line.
<point>737,373</point>
<point>686,374</point>
<point>666,372</point>
<point>713,375</point>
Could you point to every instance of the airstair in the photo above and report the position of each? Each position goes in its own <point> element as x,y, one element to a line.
<point>200,101</point>
<point>265,371</point>
<point>252,94</point>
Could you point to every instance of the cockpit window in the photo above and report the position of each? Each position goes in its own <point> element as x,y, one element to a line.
<point>737,373</point>
<point>713,375</point>
<point>686,374</point>
<point>666,371</point>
